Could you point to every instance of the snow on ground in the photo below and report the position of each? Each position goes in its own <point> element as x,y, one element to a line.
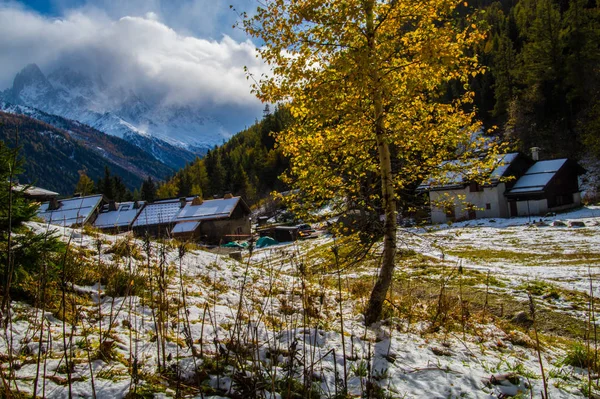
<point>519,250</point>
<point>254,347</point>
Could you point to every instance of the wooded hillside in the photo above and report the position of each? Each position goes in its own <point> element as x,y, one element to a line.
<point>248,164</point>
<point>542,86</point>
<point>55,156</point>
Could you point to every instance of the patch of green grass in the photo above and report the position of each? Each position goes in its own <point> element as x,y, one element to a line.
<point>524,257</point>
<point>578,355</point>
<point>539,288</point>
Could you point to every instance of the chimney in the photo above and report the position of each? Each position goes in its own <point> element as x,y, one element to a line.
<point>112,206</point>
<point>535,153</point>
<point>197,201</point>
<point>53,204</point>
<point>228,196</point>
<point>182,202</point>
<point>136,205</point>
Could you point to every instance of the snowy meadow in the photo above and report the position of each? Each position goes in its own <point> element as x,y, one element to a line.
<point>479,309</point>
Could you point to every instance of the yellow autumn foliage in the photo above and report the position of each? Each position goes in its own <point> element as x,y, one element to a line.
<point>365,81</point>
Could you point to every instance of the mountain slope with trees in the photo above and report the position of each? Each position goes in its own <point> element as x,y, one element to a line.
<point>114,149</point>
<point>57,157</point>
<point>541,88</point>
<point>249,164</point>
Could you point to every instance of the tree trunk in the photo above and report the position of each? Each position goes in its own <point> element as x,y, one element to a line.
<point>387,186</point>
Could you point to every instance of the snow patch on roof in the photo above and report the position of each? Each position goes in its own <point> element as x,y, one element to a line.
<point>185,227</point>
<point>158,213</point>
<point>549,166</point>
<point>209,209</point>
<point>71,211</point>
<point>123,216</point>
<point>538,176</point>
<point>454,172</point>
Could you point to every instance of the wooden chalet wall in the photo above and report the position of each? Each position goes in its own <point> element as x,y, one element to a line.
<point>221,230</point>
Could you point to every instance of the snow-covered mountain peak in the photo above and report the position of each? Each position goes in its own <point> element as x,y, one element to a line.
<point>31,84</point>
<point>116,110</point>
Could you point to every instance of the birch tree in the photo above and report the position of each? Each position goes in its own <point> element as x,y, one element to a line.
<point>365,82</point>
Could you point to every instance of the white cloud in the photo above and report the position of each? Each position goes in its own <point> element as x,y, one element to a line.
<point>139,52</point>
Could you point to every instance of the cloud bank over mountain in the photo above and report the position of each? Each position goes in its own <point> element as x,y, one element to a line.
<point>139,52</point>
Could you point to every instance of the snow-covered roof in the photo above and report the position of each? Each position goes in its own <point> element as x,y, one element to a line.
<point>170,211</point>
<point>122,216</point>
<point>71,211</point>
<point>537,176</point>
<point>34,191</point>
<point>549,166</point>
<point>209,209</point>
<point>160,212</point>
<point>454,172</point>
<point>503,162</point>
<point>185,227</point>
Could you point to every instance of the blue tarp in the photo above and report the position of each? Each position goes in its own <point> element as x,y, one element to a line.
<point>265,241</point>
<point>235,244</point>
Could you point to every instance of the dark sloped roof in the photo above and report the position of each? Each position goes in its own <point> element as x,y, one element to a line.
<point>34,191</point>
<point>185,227</point>
<point>209,209</point>
<point>537,177</point>
<point>159,212</point>
<point>170,211</point>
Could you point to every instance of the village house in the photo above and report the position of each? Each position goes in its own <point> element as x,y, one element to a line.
<point>213,221</point>
<point>547,186</point>
<point>117,217</point>
<point>72,212</point>
<point>216,220</point>
<point>157,219</point>
<point>33,193</point>
<point>458,198</point>
<point>518,186</point>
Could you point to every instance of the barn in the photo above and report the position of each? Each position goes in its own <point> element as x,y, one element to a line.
<point>547,186</point>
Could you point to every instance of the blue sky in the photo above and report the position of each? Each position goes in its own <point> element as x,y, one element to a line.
<point>181,51</point>
<point>200,18</point>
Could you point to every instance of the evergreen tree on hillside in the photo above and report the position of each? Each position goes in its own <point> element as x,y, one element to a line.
<point>148,190</point>
<point>14,210</point>
<point>113,187</point>
<point>543,58</point>
<point>20,247</point>
<point>105,185</point>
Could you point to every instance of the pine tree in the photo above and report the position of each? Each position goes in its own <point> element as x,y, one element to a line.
<point>106,185</point>
<point>148,190</point>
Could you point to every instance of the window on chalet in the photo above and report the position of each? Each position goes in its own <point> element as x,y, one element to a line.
<point>564,199</point>
<point>475,187</point>
<point>488,206</point>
